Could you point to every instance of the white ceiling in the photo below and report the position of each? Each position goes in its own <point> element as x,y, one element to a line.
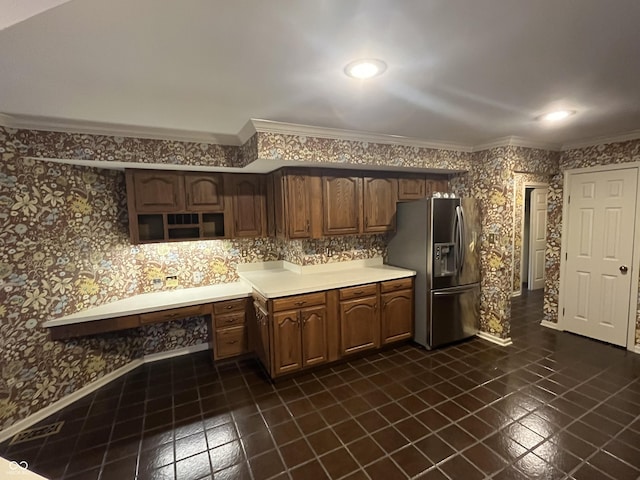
<point>462,71</point>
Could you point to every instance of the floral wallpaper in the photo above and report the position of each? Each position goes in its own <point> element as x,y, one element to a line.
<point>335,249</point>
<point>606,154</point>
<point>520,179</point>
<point>491,181</point>
<point>275,146</point>
<point>35,143</point>
<point>64,247</point>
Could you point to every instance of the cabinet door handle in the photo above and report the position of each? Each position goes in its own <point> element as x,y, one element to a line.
<point>375,306</point>
<point>307,226</point>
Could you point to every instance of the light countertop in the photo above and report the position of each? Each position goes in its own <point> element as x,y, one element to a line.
<point>270,279</point>
<point>281,279</point>
<point>151,302</point>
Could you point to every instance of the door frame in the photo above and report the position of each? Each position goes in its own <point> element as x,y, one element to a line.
<point>526,185</point>
<point>635,260</point>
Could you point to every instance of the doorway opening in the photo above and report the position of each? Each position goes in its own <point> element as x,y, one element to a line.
<point>534,236</point>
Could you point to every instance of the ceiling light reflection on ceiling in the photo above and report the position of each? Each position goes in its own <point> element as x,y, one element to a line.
<point>365,68</point>
<point>556,116</point>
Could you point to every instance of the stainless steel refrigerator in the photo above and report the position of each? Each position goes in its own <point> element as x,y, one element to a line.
<point>439,238</point>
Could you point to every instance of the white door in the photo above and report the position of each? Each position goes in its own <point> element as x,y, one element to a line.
<point>600,233</point>
<point>537,237</point>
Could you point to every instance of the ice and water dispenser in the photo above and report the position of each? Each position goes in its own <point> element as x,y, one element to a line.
<point>444,259</point>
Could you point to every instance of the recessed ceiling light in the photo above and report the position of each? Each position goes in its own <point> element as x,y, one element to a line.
<point>365,68</point>
<point>556,116</point>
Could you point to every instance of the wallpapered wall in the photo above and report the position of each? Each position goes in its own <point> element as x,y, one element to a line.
<point>64,247</point>
<point>608,154</point>
<point>491,181</point>
<point>520,179</point>
<point>275,146</point>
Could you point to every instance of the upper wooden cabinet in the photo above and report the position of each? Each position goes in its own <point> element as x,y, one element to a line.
<point>204,193</point>
<point>292,204</point>
<point>249,212</point>
<point>411,188</point>
<point>379,202</point>
<point>158,191</point>
<point>415,187</point>
<point>355,205</point>
<point>341,204</point>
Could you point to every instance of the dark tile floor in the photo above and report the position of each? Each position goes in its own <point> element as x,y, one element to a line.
<point>552,405</point>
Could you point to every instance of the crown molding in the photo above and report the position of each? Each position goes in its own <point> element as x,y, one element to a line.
<point>516,142</point>
<point>29,122</point>
<point>248,131</point>
<point>282,128</point>
<point>624,137</point>
<point>254,126</point>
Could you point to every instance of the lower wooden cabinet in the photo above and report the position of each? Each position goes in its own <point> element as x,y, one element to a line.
<point>292,333</point>
<point>300,335</point>
<point>228,329</point>
<point>359,325</point>
<point>396,314</point>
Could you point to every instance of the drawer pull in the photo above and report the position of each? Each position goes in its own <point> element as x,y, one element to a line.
<point>299,304</point>
<point>231,320</point>
<point>359,292</point>
<point>232,342</point>
<point>229,307</point>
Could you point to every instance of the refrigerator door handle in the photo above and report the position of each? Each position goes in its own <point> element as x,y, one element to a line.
<point>463,238</point>
<point>460,238</point>
<point>454,290</point>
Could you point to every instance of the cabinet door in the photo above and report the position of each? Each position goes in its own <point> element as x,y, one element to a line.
<point>248,205</point>
<point>379,205</point>
<point>299,206</point>
<point>436,185</point>
<point>158,191</point>
<point>314,335</point>
<point>278,204</point>
<point>359,325</point>
<point>412,188</point>
<point>287,347</point>
<point>204,192</point>
<point>341,205</point>
<point>261,344</point>
<point>396,316</point>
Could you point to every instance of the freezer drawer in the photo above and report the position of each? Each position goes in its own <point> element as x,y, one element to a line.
<point>454,314</point>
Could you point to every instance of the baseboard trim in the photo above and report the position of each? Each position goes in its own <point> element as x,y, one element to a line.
<point>548,324</point>
<point>636,349</point>
<point>503,342</point>
<point>516,294</point>
<point>58,405</point>
<point>154,357</point>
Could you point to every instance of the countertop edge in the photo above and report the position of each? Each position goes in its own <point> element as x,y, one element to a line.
<point>331,286</point>
<point>392,274</point>
<point>148,309</point>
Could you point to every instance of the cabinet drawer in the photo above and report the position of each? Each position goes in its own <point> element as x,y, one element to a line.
<point>230,320</point>
<point>174,314</point>
<point>393,285</point>
<point>359,291</point>
<point>298,301</point>
<point>231,342</point>
<point>220,308</point>
<point>260,300</point>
